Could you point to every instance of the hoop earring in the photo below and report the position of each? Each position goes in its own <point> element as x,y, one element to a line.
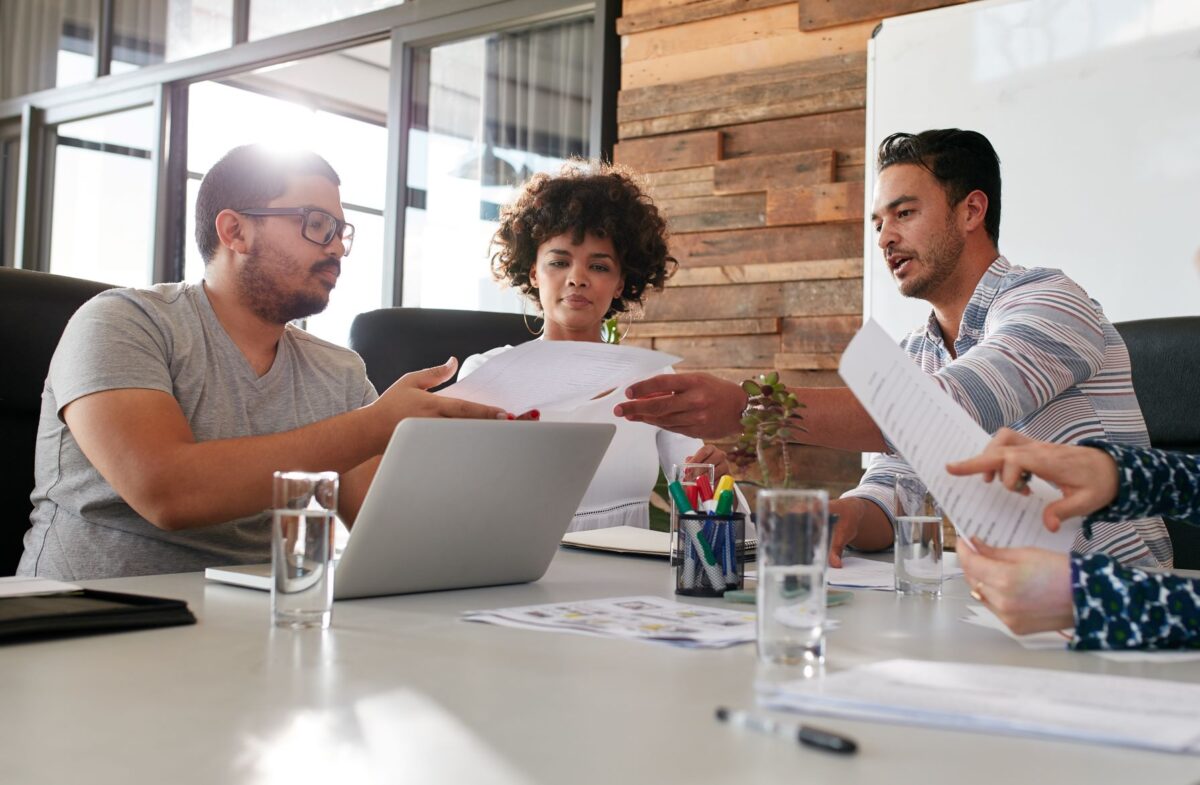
<point>634,315</point>
<point>525,318</point>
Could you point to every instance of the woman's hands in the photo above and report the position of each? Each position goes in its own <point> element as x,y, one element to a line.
<point>1028,588</point>
<point>709,454</point>
<point>1086,476</point>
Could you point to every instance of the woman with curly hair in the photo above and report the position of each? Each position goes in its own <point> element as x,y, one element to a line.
<point>584,245</point>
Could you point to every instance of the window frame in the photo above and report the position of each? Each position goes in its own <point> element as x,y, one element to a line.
<point>414,24</point>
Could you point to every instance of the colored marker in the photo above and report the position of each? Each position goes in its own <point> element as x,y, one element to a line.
<point>704,487</point>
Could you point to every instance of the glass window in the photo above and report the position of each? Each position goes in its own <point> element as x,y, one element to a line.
<point>274,17</point>
<point>153,31</point>
<point>102,220</point>
<point>333,104</point>
<point>10,155</point>
<point>45,44</point>
<point>488,112</point>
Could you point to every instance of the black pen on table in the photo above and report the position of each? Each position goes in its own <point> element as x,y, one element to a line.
<point>806,735</point>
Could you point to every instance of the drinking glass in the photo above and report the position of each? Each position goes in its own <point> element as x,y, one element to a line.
<point>793,553</point>
<point>302,529</point>
<point>918,539</point>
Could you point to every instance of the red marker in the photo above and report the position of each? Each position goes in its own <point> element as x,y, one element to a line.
<point>704,487</point>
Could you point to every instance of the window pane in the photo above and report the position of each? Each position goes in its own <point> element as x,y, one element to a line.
<point>273,17</point>
<point>488,113</point>
<point>103,211</point>
<point>10,155</point>
<point>46,43</point>
<point>152,31</point>
<point>333,104</point>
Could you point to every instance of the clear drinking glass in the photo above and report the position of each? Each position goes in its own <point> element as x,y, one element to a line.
<point>302,529</point>
<point>918,539</point>
<point>793,552</point>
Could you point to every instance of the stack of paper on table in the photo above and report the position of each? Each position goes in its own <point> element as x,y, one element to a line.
<point>626,539</point>
<point>1096,708</point>
<point>1057,639</point>
<point>636,618</point>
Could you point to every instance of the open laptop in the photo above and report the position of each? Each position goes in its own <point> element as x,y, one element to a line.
<point>461,503</point>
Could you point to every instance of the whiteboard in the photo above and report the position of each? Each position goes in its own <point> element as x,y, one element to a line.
<point>1094,109</point>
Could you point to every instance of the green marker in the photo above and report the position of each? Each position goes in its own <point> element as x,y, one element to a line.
<point>681,500</point>
<point>725,503</point>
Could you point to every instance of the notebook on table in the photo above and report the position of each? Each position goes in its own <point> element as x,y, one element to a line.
<point>458,504</point>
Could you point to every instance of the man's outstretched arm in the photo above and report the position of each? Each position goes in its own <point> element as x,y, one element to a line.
<point>140,442</point>
<point>701,405</point>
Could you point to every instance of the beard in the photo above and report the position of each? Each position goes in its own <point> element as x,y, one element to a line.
<point>263,285</point>
<point>939,262</point>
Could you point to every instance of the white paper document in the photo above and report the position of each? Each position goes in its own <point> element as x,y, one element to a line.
<point>20,586</point>
<point>929,429</point>
<point>1097,708</point>
<point>557,374</point>
<point>635,618</point>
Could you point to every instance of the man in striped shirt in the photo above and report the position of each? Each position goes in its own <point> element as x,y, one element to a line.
<point>1027,349</point>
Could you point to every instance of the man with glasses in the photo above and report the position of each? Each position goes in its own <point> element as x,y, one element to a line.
<point>167,409</point>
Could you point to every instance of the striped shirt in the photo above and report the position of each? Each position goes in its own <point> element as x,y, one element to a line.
<point>1036,354</point>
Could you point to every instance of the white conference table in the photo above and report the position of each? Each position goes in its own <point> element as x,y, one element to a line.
<point>403,687</point>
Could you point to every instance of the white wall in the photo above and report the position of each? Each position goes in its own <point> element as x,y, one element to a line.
<point>1094,109</point>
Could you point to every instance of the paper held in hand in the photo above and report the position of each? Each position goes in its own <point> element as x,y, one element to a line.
<point>929,429</point>
<point>557,374</point>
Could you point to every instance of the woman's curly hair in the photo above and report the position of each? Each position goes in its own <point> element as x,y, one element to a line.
<point>585,197</point>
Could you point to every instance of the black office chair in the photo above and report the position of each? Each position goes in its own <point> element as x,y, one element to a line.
<point>34,309</point>
<point>394,341</point>
<point>1165,355</point>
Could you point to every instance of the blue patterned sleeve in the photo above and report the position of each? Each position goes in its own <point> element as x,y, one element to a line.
<point>1126,608</point>
<point>1150,482</point>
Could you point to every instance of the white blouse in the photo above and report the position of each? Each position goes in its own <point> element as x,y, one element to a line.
<point>620,491</point>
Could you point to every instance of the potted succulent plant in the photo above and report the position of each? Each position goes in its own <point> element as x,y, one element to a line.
<point>769,424</point>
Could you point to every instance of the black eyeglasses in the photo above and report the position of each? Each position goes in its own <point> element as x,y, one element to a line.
<point>318,226</point>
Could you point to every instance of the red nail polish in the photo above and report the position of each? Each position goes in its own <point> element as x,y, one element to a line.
<point>535,414</point>
<point>510,417</point>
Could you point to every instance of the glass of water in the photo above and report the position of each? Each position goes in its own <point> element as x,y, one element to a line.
<point>793,552</point>
<point>302,530</point>
<point>918,544</point>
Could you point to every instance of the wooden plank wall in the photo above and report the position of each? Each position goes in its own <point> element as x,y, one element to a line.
<point>748,119</point>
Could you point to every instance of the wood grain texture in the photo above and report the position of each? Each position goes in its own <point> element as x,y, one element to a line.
<point>747,25</point>
<point>837,130</point>
<point>769,326</point>
<point>656,95</point>
<point>748,301</point>
<point>758,246</point>
<point>638,18</point>
<point>810,204</point>
<point>820,14</point>
<point>714,213</point>
<point>680,151</point>
<point>814,270</point>
<point>732,351</point>
<point>775,50</point>
<point>818,334</point>
<point>767,109</point>
<point>764,172</point>
<point>807,362</point>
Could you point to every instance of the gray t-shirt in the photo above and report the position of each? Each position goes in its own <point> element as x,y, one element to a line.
<point>167,338</point>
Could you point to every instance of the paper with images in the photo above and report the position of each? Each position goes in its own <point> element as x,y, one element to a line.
<point>1092,707</point>
<point>556,374</point>
<point>929,429</point>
